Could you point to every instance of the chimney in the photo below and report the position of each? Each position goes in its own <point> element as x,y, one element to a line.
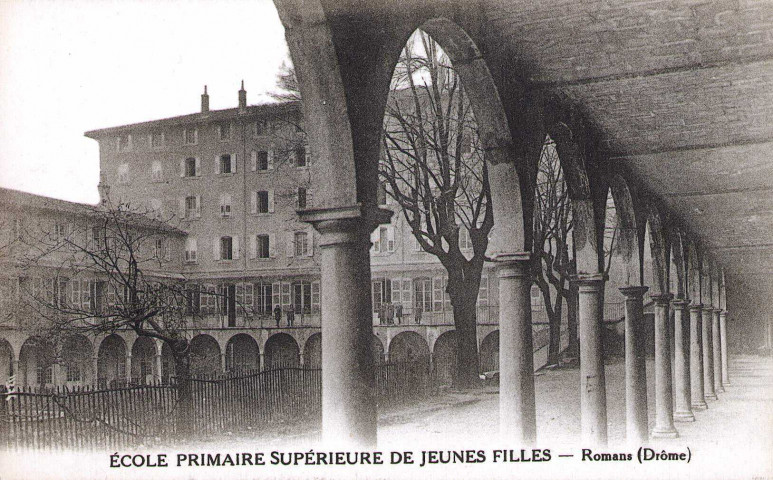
<point>205,101</point>
<point>242,99</point>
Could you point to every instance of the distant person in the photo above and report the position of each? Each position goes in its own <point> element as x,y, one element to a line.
<point>290,315</point>
<point>277,315</point>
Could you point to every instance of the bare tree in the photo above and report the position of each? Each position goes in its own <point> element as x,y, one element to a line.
<point>117,257</point>
<point>434,169</point>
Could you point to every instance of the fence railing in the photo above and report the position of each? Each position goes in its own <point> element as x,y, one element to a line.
<point>90,417</point>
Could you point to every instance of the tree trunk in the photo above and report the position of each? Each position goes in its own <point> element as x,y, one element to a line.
<point>182,370</point>
<point>573,350</point>
<point>554,322</point>
<point>464,296</point>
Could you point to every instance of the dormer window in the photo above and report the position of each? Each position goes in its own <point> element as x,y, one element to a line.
<point>124,142</point>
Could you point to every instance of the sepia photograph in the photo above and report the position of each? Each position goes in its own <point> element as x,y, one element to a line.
<point>386,239</point>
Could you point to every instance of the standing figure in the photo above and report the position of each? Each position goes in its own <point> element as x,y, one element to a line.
<point>277,314</point>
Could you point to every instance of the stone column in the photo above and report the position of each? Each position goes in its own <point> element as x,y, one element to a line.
<point>696,358</point>
<point>261,360</point>
<point>682,380</point>
<point>300,359</point>
<point>708,355</point>
<point>159,370</point>
<point>223,363</point>
<point>635,366</point>
<point>723,345</point>
<point>95,368</point>
<point>664,409</point>
<point>349,414</point>
<point>128,369</point>
<point>593,393</point>
<point>717,352</point>
<point>517,412</point>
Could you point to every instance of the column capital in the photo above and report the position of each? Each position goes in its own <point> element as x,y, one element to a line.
<point>662,298</point>
<point>589,279</point>
<point>513,265</point>
<point>633,291</point>
<point>680,303</point>
<point>708,308</point>
<point>345,224</point>
<point>722,313</point>
<point>696,307</point>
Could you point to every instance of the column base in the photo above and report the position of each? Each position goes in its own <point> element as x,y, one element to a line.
<point>699,405</point>
<point>719,389</point>
<point>684,417</point>
<point>668,432</point>
<point>713,396</point>
<point>726,384</point>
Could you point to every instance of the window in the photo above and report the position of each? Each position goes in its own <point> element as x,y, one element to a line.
<point>123,173</point>
<point>382,293</point>
<point>225,204</point>
<point>264,295</point>
<point>157,172</point>
<point>191,167</point>
<point>159,247</point>
<point>191,207</point>
<point>228,303</point>
<point>190,250</point>
<point>301,198</point>
<point>157,139</point>
<point>259,128</point>
<point>300,157</point>
<point>422,290</point>
<point>97,291</point>
<point>465,242</point>
<point>73,372</point>
<point>225,164</point>
<point>383,239</point>
<point>124,142</point>
<point>262,246</point>
<point>483,291</point>
<point>192,300</point>
<point>224,131</point>
<point>60,230</point>
<point>302,297</point>
<point>262,162</point>
<point>45,373</point>
<point>263,202</point>
<point>301,244</point>
<point>244,298</point>
<point>191,136</point>
<point>226,248</point>
<point>437,293</point>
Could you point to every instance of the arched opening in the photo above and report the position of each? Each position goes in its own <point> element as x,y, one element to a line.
<point>205,356</point>
<point>36,362</point>
<point>489,352</point>
<point>111,361</point>
<point>281,351</point>
<point>242,354</point>
<point>6,361</point>
<point>77,364</point>
<point>143,359</point>
<point>444,357</point>
<point>408,347</point>
<point>312,352</point>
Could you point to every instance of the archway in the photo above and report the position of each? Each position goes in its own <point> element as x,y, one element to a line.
<point>489,352</point>
<point>312,352</point>
<point>111,361</point>
<point>143,360</point>
<point>281,351</point>
<point>378,350</point>
<point>242,354</point>
<point>77,364</point>
<point>408,347</point>
<point>36,362</point>
<point>444,358</point>
<point>205,356</point>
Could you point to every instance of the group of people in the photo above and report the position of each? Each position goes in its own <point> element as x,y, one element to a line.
<point>290,311</point>
<point>393,314</point>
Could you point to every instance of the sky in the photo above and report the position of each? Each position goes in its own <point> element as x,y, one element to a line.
<point>70,67</point>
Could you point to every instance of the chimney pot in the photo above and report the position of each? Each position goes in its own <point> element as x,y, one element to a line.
<point>205,101</point>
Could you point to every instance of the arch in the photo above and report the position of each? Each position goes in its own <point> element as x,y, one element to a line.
<point>77,364</point>
<point>444,357</point>
<point>242,354</point>
<point>281,350</point>
<point>629,234</point>
<point>378,350</point>
<point>111,361</point>
<point>36,362</point>
<point>6,361</point>
<point>660,248</point>
<point>489,352</point>
<point>312,352</point>
<point>679,264</point>
<point>408,347</point>
<point>205,356</point>
<point>143,360</point>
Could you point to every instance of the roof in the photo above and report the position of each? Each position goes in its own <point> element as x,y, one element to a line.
<point>19,199</point>
<point>252,111</point>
